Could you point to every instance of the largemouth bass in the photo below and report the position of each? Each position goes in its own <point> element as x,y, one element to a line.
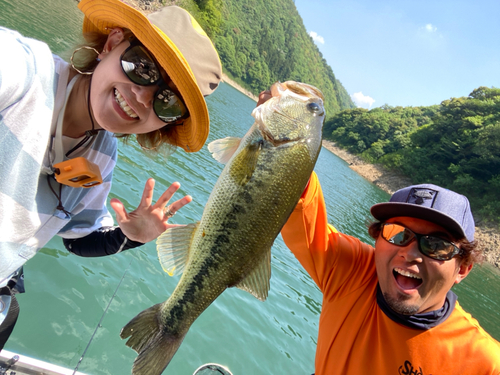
<point>265,174</point>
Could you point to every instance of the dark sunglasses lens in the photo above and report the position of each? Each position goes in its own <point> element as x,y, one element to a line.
<point>168,106</point>
<point>396,234</point>
<point>433,247</point>
<point>139,66</point>
<point>437,248</point>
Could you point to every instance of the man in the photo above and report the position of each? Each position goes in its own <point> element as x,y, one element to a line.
<point>389,309</point>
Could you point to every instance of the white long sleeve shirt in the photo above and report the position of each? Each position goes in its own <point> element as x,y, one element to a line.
<point>32,92</point>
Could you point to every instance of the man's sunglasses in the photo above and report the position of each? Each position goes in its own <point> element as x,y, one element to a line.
<point>141,68</point>
<point>431,246</point>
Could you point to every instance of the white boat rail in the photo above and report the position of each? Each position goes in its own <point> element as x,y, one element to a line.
<point>23,365</point>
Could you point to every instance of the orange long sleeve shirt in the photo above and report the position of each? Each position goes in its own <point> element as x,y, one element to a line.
<point>355,336</point>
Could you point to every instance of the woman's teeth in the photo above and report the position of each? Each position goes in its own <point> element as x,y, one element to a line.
<point>123,105</point>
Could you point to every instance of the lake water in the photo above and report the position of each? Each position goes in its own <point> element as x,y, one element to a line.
<point>67,295</point>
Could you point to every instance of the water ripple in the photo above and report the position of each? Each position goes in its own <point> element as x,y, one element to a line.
<point>69,293</point>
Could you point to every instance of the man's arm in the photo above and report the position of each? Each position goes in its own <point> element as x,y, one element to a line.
<point>320,248</point>
<point>307,232</point>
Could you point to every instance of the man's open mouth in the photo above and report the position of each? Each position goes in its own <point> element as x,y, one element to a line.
<point>406,279</point>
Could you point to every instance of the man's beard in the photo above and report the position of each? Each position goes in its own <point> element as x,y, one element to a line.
<point>400,305</point>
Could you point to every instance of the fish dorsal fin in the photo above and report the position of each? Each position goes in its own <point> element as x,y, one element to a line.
<point>243,164</point>
<point>173,248</point>
<point>223,149</point>
<point>257,282</point>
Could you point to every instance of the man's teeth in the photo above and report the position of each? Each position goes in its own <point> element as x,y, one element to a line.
<point>123,105</point>
<point>407,274</point>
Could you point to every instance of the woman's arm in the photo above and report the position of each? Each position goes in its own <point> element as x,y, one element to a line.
<point>102,242</point>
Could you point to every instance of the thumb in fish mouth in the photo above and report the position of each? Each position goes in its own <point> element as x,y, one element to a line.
<point>298,88</point>
<point>273,91</point>
<point>264,96</point>
<point>277,88</point>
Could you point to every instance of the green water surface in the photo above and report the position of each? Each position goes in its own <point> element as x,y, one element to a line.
<point>67,295</point>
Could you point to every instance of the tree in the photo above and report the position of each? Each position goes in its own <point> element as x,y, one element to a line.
<point>454,145</point>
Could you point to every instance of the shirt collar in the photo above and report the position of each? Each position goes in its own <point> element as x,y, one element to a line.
<point>423,321</point>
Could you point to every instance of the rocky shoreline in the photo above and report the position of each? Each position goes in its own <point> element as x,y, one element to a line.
<point>389,181</point>
<point>488,235</point>
<point>230,82</point>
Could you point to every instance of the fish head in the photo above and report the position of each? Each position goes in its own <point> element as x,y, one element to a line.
<point>294,113</point>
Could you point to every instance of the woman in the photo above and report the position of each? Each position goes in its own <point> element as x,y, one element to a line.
<point>145,76</point>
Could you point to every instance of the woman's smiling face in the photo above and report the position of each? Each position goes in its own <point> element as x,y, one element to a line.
<point>118,104</point>
<point>411,282</point>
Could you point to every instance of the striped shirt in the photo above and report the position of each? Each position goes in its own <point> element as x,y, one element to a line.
<point>32,92</point>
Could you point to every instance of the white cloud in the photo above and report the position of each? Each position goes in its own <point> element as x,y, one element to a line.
<point>430,28</point>
<point>317,38</point>
<point>362,101</point>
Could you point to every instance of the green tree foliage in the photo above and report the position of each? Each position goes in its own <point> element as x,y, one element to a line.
<point>261,42</point>
<point>382,130</point>
<point>454,145</point>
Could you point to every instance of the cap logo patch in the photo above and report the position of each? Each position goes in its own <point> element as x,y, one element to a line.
<point>422,197</point>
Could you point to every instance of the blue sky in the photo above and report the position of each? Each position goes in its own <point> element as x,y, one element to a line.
<point>407,53</point>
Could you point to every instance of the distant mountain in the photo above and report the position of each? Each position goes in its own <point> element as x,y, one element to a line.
<point>261,42</point>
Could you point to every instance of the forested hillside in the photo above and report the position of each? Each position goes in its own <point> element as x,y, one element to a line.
<point>261,42</point>
<point>455,144</point>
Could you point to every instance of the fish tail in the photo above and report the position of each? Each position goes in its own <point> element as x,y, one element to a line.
<point>155,346</point>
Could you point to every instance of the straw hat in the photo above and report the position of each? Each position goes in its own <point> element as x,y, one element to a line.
<point>181,47</point>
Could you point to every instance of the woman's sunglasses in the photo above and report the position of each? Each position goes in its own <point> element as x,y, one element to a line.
<point>141,68</point>
<point>431,246</point>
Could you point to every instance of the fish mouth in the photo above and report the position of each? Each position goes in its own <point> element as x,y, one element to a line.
<point>406,280</point>
<point>300,92</point>
<point>299,88</point>
<point>268,137</point>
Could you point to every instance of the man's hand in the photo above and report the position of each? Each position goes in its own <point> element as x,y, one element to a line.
<point>264,96</point>
<point>148,220</point>
<point>274,90</point>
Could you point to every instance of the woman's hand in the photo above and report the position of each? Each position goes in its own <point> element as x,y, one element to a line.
<point>148,221</point>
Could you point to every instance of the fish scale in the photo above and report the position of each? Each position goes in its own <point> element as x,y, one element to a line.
<point>265,174</point>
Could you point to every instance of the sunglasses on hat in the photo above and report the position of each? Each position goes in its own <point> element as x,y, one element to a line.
<point>141,68</point>
<point>431,246</point>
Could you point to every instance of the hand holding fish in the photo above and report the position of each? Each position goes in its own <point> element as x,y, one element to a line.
<point>264,96</point>
<point>148,220</point>
<point>274,91</point>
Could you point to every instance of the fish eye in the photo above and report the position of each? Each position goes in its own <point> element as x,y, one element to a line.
<point>313,107</point>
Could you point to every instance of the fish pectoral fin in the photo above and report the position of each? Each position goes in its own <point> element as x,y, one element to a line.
<point>244,164</point>
<point>223,149</point>
<point>173,248</point>
<point>257,282</point>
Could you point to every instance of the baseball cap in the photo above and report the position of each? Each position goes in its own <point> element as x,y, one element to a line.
<point>432,203</point>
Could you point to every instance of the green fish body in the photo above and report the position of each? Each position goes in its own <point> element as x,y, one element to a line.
<point>265,174</point>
